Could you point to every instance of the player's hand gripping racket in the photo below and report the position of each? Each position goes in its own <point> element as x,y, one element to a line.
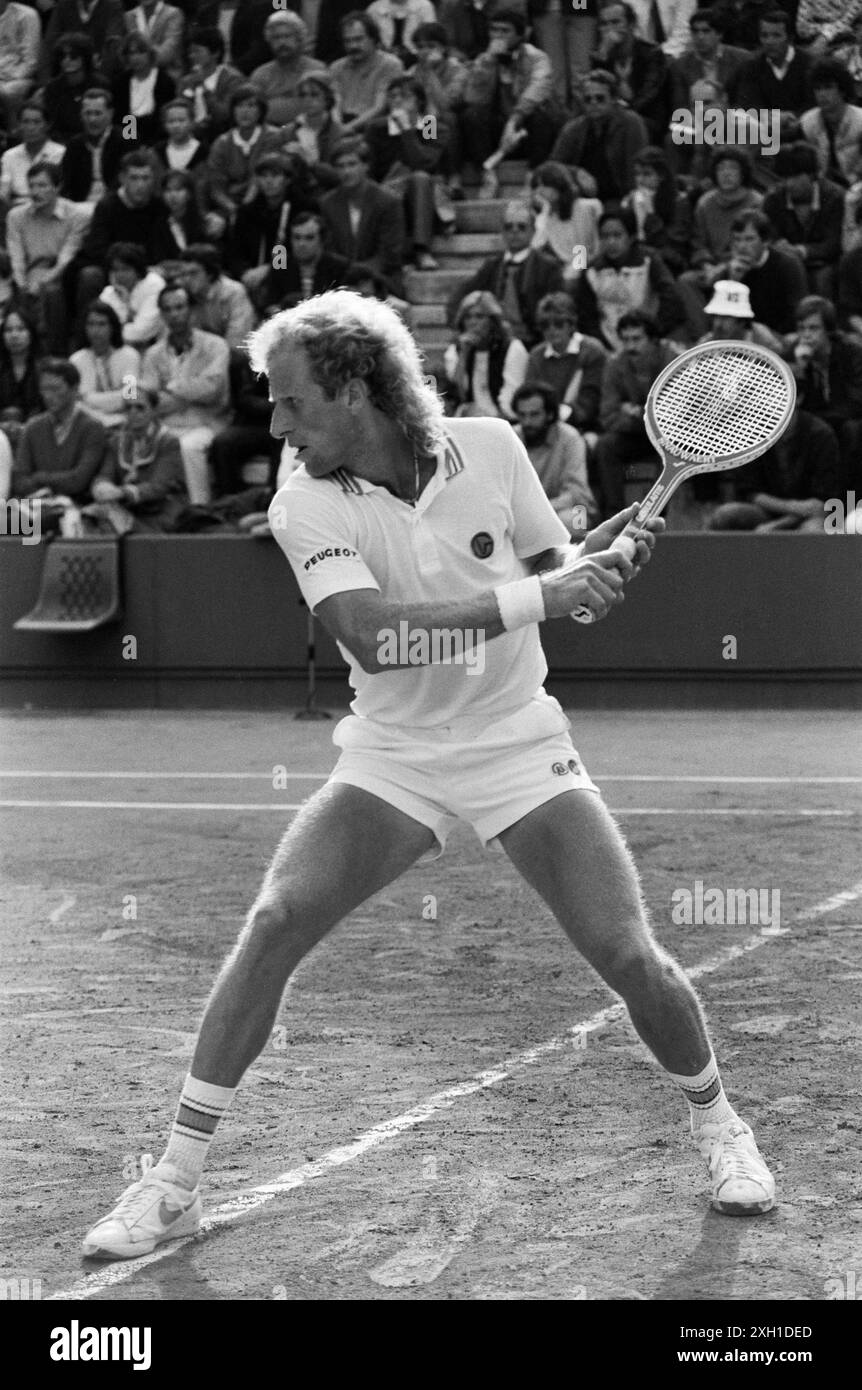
<point>717,406</point>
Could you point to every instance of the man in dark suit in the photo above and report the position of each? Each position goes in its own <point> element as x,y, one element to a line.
<point>91,164</point>
<point>518,276</point>
<point>210,83</point>
<point>640,67</point>
<point>364,222</point>
<point>806,212</point>
<point>707,57</point>
<point>308,269</point>
<point>778,76</point>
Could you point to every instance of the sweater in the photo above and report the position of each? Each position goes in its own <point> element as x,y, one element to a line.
<point>67,468</point>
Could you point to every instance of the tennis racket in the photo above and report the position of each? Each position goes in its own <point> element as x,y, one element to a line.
<point>717,406</point>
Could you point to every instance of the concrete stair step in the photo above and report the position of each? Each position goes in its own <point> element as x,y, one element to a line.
<point>468,244</point>
<point>478,215</point>
<point>427,315</point>
<point>436,337</point>
<point>447,262</point>
<point>433,286</point>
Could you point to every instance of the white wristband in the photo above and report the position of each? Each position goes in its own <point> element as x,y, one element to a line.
<point>521,602</point>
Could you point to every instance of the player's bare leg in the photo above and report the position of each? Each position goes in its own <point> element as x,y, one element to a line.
<point>344,846</point>
<point>571,851</point>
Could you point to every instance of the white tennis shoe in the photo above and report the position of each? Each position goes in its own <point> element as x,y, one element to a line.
<point>154,1209</point>
<point>742,1185</point>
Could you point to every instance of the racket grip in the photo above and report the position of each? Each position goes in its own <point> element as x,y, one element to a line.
<point>624,543</point>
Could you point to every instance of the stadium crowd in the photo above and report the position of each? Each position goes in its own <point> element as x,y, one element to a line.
<point>173,173</point>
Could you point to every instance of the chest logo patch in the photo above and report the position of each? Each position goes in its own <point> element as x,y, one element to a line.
<point>482,545</point>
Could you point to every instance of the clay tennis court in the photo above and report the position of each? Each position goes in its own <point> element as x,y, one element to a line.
<point>452,1106</point>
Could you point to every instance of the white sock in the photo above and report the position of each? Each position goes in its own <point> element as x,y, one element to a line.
<point>705,1095</point>
<point>200,1109</point>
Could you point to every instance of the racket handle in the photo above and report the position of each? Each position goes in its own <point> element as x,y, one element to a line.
<point>628,547</point>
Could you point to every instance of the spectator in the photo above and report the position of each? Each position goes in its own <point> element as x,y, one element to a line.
<point>662,213</point>
<point>707,57</point>
<point>570,362</point>
<point>309,269</point>
<point>104,23</point>
<point>406,151</point>
<point>75,75</point>
<point>20,351</point>
<point>133,294</point>
<point>209,84</point>
<point>61,450</point>
<point>640,67</point>
<point>35,147</point>
<point>316,131</point>
<point>624,277</point>
<point>827,364</point>
<point>283,190</point>
<point>142,88</point>
<point>775,278</point>
<point>834,126</point>
<point>19,55</point>
<point>626,381</point>
<point>806,213</point>
<point>518,276</point>
<point>509,100</point>
<point>247,44</point>
<point>248,435</point>
<point>91,164</point>
<point>558,453</point>
<point>183,150</point>
<point>140,486</point>
<point>108,367</point>
<point>444,78</point>
<point>133,213</point>
<point>163,25</point>
<point>184,223</point>
<point>43,237</point>
<point>363,221</point>
<point>568,35</point>
<point>730,316</point>
<point>665,22</point>
<point>599,147</point>
<point>849,52</point>
<point>278,80</point>
<point>398,21</point>
<point>787,487</point>
<point>567,226</point>
<point>717,209</point>
<point>486,365</point>
<point>362,76</point>
<point>779,75</point>
<point>466,25</point>
<point>189,369</point>
<point>220,305</point>
<point>850,284</point>
<point>230,166</point>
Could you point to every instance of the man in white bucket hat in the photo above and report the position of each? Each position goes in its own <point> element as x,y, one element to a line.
<point>731,316</point>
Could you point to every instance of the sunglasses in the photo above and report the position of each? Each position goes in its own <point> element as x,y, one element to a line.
<point>596,100</point>
<point>516,226</point>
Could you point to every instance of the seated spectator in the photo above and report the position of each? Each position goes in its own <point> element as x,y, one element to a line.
<point>20,350</point>
<point>567,226</point>
<point>278,80</point>
<point>35,148</point>
<point>246,43</point>
<point>486,365</point>
<point>662,213</point>
<point>850,284</point>
<point>140,485</point>
<point>133,294</point>
<point>248,434</point>
<point>284,190</point>
<point>134,213</point>
<point>362,76</point>
<point>142,88</point>
<point>717,209</point>
<point>558,453</point>
<point>105,25</point>
<point>827,364</point>
<point>640,67</point>
<point>75,74</point>
<point>787,487</point>
<point>398,21</point>
<point>730,316</point>
<point>164,26</point>
<point>599,147</point>
<point>707,57</point>
<point>231,161</point>
<point>189,369</point>
<point>309,268</point>
<point>19,55</point>
<point>183,151</point>
<point>775,278</point>
<point>466,25</point>
<point>569,362</point>
<point>315,132</point>
<point>624,277</point>
<point>209,84</point>
<point>509,100</point>
<point>834,125</point>
<point>107,366</point>
<point>91,163</point>
<point>626,381</point>
<point>62,450</point>
<point>848,50</point>
<point>806,213</point>
<point>406,148</point>
<point>363,221</point>
<point>185,224</point>
<point>44,236</point>
<point>778,76</point>
<point>444,78</point>
<point>219,304</point>
<point>518,275</point>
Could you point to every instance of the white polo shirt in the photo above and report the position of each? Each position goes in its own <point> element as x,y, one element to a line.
<point>482,514</point>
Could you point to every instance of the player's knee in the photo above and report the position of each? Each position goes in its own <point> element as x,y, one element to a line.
<point>637,967</point>
<point>282,925</point>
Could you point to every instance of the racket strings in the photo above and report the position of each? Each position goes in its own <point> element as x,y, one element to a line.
<point>721,403</point>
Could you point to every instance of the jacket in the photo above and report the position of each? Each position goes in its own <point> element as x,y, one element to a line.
<point>76,170</point>
<point>379,239</point>
<point>539,274</point>
<point>532,84</point>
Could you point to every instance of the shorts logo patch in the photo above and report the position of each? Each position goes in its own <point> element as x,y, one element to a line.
<point>482,545</point>
<point>561,769</point>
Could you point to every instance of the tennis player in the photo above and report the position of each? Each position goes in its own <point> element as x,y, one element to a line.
<point>423,544</point>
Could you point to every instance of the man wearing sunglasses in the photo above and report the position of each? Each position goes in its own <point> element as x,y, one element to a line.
<point>518,276</point>
<point>600,147</point>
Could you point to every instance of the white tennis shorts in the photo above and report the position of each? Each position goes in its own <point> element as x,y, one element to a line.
<point>489,775</point>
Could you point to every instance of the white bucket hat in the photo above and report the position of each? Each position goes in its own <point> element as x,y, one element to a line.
<point>730,299</point>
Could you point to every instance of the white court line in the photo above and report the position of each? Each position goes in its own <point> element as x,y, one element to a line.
<point>279,807</point>
<point>69,900</point>
<point>256,1197</point>
<point>321,777</point>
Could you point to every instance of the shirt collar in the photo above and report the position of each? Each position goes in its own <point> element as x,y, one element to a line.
<point>788,59</point>
<point>516,257</point>
<point>450,462</point>
<point>573,346</point>
<point>815,198</point>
